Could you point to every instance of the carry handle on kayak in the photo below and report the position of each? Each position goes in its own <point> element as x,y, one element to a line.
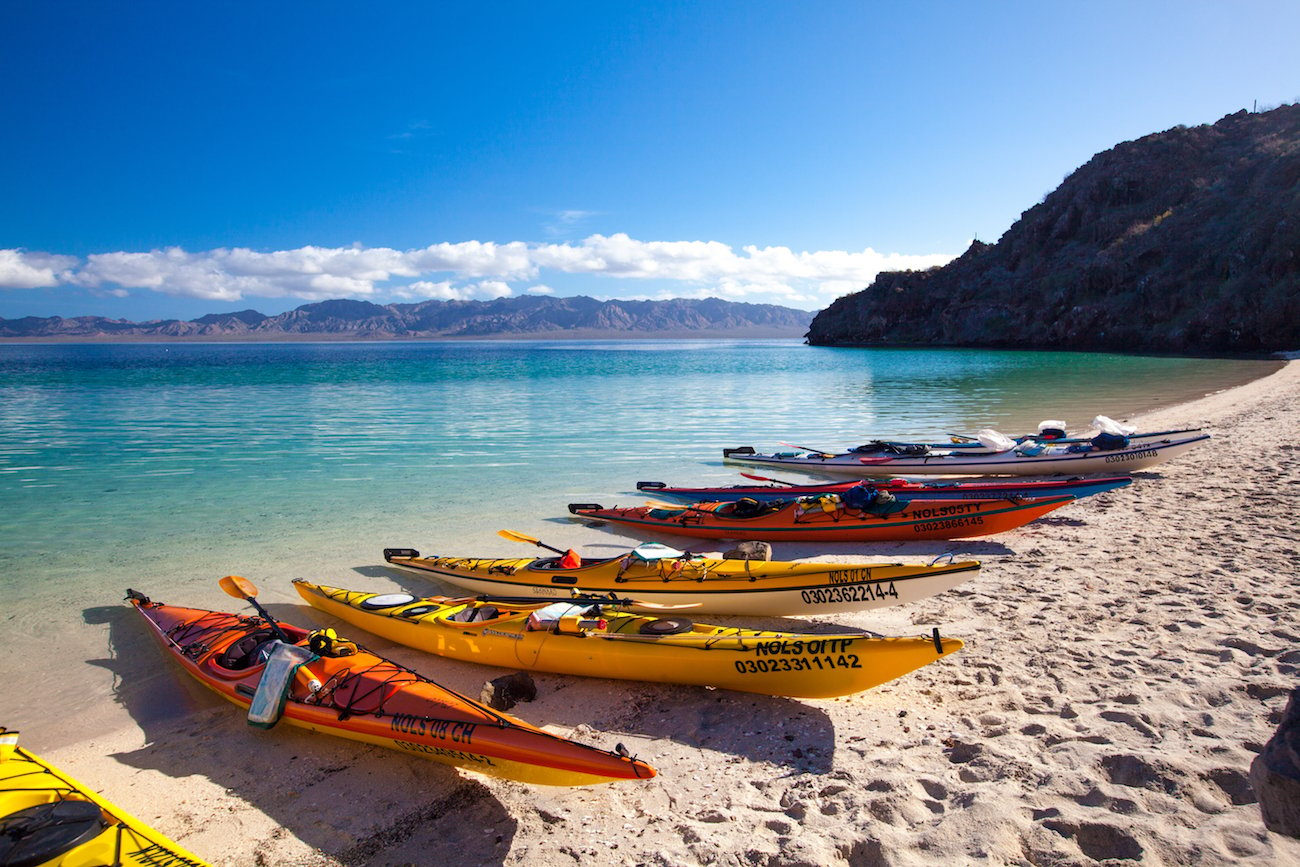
<point>579,508</point>
<point>651,486</point>
<point>405,553</point>
<point>740,450</point>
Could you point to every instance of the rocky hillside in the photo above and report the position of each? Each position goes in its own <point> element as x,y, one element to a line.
<point>524,316</point>
<point>1186,241</point>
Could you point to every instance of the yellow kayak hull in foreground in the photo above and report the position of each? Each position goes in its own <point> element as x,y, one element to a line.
<point>711,586</point>
<point>599,641</point>
<point>46,814</point>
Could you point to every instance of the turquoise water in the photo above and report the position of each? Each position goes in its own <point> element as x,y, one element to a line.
<point>165,466</point>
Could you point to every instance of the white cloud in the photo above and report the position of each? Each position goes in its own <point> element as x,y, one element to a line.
<point>423,290</point>
<point>311,273</point>
<point>469,269</point>
<point>492,289</point>
<point>475,259</point>
<point>620,256</point>
<point>22,270</point>
<point>445,290</point>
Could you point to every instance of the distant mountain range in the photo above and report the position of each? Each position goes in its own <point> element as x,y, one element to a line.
<point>523,316</point>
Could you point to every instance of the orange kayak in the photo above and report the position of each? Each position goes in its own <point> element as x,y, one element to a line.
<point>826,519</point>
<point>332,686</point>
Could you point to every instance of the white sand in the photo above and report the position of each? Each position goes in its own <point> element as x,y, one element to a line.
<point>1125,659</point>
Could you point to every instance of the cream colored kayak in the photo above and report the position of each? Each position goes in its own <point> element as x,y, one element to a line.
<point>605,641</point>
<point>1024,460</point>
<point>654,576</point>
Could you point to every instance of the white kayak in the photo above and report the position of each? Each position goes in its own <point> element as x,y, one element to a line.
<point>1023,459</point>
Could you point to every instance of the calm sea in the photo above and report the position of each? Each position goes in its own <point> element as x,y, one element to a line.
<point>164,466</point>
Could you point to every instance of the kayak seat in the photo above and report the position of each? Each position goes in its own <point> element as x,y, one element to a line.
<point>475,614</point>
<point>748,507</point>
<point>246,652</point>
<point>666,626</point>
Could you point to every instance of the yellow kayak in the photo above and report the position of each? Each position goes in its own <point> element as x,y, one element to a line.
<point>588,637</point>
<point>48,819</point>
<point>664,576</point>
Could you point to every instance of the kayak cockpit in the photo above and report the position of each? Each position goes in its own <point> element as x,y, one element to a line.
<point>552,564</point>
<point>248,651</point>
<point>476,614</point>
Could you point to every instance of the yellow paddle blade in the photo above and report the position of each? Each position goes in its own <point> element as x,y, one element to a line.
<point>514,536</point>
<point>238,587</point>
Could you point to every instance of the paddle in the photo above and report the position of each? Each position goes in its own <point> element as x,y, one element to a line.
<point>621,602</point>
<point>571,558</point>
<point>242,588</point>
<point>514,536</point>
<point>766,479</point>
<point>689,640</point>
<point>821,452</point>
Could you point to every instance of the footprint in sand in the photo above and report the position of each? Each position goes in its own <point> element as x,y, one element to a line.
<point>1133,720</point>
<point>1138,773</point>
<point>1097,840</point>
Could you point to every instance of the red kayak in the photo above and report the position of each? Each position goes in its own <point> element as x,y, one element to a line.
<point>903,489</point>
<point>827,519</point>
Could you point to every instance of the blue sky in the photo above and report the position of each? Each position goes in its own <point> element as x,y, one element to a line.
<point>173,159</point>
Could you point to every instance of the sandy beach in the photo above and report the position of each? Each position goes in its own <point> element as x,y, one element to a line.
<point>1125,660</point>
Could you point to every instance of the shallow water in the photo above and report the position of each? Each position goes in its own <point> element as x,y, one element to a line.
<point>165,466</point>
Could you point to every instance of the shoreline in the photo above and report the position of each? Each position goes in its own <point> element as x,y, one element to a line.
<point>751,333</point>
<point>1119,676</point>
